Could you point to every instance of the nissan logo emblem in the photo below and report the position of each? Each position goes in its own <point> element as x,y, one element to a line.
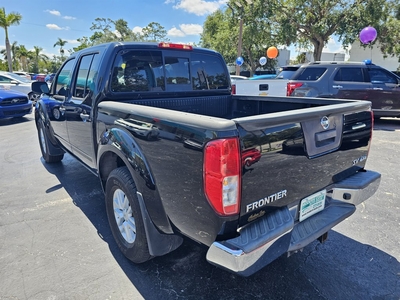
<point>325,122</point>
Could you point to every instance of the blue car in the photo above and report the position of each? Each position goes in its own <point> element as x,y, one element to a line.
<point>266,76</point>
<point>49,77</point>
<point>14,104</point>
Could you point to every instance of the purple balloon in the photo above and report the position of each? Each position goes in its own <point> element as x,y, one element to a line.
<point>368,35</point>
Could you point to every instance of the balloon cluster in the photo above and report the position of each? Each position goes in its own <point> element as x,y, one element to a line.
<point>272,52</point>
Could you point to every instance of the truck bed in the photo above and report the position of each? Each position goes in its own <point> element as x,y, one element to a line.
<point>278,146</point>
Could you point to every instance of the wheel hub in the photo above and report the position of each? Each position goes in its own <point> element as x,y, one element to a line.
<point>123,216</point>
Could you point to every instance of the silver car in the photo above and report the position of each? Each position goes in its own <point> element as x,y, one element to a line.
<point>11,81</point>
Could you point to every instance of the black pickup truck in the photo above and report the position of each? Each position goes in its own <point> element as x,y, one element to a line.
<point>178,156</point>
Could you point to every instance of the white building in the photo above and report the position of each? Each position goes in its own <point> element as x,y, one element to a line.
<point>359,53</point>
<point>326,56</point>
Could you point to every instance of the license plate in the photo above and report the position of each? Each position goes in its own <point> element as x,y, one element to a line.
<point>311,205</point>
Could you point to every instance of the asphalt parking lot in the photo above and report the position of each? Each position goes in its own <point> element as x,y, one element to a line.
<point>55,242</point>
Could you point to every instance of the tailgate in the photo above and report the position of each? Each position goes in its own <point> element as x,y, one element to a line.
<point>288,156</point>
<point>262,87</point>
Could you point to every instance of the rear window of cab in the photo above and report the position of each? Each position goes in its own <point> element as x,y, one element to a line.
<point>156,71</point>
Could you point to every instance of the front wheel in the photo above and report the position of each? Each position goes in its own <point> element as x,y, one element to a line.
<point>33,96</point>
<point>124,216</point>
<point>45,144</point>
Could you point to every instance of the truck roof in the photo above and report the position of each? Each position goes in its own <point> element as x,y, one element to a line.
<point>145,45</point>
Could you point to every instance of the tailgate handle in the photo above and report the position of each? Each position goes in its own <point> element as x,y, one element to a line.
<point>326,135</point>
<point>263,87</point>
<point>358,126</point>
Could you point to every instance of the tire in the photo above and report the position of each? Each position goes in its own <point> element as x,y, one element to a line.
<point>33,97</point>
<point>44,143</point>
<point>124,216</point>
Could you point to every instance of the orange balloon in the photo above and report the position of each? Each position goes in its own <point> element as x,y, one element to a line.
<point>272,52</point>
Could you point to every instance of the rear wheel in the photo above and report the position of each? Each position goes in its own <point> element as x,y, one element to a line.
<point>124,216</point>
<point>44,143</point>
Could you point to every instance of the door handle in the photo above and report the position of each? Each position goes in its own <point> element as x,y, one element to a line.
<point>85,117</point>
<point>337,86</point>
<point>377,89</point>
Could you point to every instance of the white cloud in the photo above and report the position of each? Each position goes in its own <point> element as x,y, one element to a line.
<point>137,29</point>
<point>58,14</point>
<point>53,12</point>
<point>72,42</point>
<point>56,27</point>
<point>191,29</point>
<point>197,7</point>
<point>185,29</point>
<point>175,32</point>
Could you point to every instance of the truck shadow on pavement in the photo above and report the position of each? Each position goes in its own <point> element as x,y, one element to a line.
<point>387,124</point>
<point>341,268</point>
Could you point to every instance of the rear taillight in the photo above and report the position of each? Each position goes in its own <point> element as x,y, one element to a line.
<point>233,92</point>
<point>291,86</point>
<point>222,175</point>
<point>372,130</point>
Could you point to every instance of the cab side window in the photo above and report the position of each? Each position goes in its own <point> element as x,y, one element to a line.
<point>87,76</point>
<point>138,71</point>
<point>208,73</point>
<point>63,80</point>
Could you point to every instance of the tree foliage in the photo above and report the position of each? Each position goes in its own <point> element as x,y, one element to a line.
<point>307,24</point>
<point>221,32</point>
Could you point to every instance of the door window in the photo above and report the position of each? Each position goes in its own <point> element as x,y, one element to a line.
<point>87,76</point>
<point>349,74</point>
<point>381,76</point>
<point>63,81</point>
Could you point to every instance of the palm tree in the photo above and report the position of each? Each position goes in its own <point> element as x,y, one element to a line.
<point>14,50</point>
<point>37,56</point>
<point>23,55</point>
<point>6,21</point>
<point>60,43</point>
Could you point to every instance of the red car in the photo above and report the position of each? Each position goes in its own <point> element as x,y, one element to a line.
<point>40,77</point>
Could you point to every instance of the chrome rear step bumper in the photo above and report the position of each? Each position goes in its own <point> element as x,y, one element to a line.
<point>264,240</point>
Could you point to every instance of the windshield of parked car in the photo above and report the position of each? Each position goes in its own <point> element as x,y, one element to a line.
<point>17,77</point>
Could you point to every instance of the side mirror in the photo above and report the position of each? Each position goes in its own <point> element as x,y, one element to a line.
<point>14,82</point>
<point>40,87</point>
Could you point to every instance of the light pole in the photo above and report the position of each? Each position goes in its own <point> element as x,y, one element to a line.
<point>239,50</point>
<point>240,38</point>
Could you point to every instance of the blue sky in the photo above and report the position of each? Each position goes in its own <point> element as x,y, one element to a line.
<point>43,22</point>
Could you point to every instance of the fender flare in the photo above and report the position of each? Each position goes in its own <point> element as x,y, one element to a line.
<point>118,147</point>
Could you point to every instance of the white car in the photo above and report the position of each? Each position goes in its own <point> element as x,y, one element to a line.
<point>11,81</point>
<point>238,77</point>
<point>23,74</point>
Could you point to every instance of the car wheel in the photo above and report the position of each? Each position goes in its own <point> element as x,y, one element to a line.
<point>124,216</point>
<point>44,144</point>
<point>33,96</point>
